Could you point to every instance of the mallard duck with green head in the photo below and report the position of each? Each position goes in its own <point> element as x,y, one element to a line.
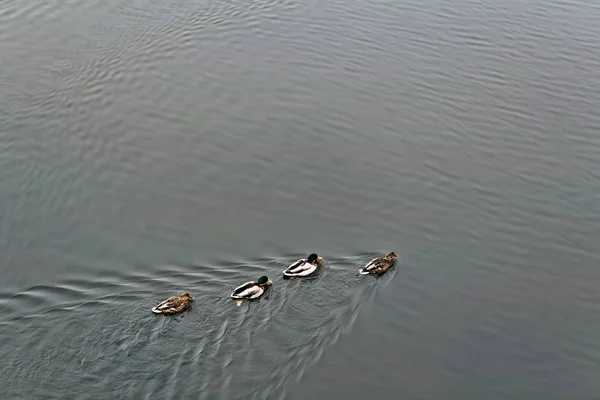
<point>303,267</point>
<point>379,265</point>
<point>251,290</point>
<point>174,305</point>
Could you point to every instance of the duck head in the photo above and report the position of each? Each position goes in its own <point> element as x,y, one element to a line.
<point>264,281</point>
<point>313,258</point>
<point>186,295</point>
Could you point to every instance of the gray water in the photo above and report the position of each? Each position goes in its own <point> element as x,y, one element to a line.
<point>149,147</point>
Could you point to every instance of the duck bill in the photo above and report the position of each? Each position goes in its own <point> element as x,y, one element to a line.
<point>319,258</point>
<point>269,282</point>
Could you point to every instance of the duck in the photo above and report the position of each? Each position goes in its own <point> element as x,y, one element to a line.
<point>251,290</point>
<point>174,305</point>
<point>303,267</point>
<point>379,265</point>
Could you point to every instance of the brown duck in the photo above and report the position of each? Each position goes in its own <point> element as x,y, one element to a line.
<point>379,265</point>
<point>174,305</point>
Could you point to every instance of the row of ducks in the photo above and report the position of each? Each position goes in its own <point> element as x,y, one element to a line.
<point>253,290</point>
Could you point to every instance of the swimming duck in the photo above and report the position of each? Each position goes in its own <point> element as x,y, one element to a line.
<point>174,305</point>
<point>303,267</point>
<point>251,290</point>
<point>379,265</point>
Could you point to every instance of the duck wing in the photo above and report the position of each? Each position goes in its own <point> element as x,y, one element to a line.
<point>301,268</point>
<point>247,290</point>
<point>375,265</point>
<point>171,305</point>
<point>295,265</point>
<point>298,266</point>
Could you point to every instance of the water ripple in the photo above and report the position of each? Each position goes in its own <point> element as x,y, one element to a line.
<point>99,328</point>
<point>171,132</point>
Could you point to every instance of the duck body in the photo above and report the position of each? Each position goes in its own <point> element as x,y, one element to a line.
<point>379,265</point>
<point>251,290</point>
<point>174,305</point>
<point>303,267</point>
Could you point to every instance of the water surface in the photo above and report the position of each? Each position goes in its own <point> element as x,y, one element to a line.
<point>151,147</point>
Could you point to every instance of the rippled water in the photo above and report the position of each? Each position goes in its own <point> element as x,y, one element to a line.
<point>150,147</point>
<point>97,336</point>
